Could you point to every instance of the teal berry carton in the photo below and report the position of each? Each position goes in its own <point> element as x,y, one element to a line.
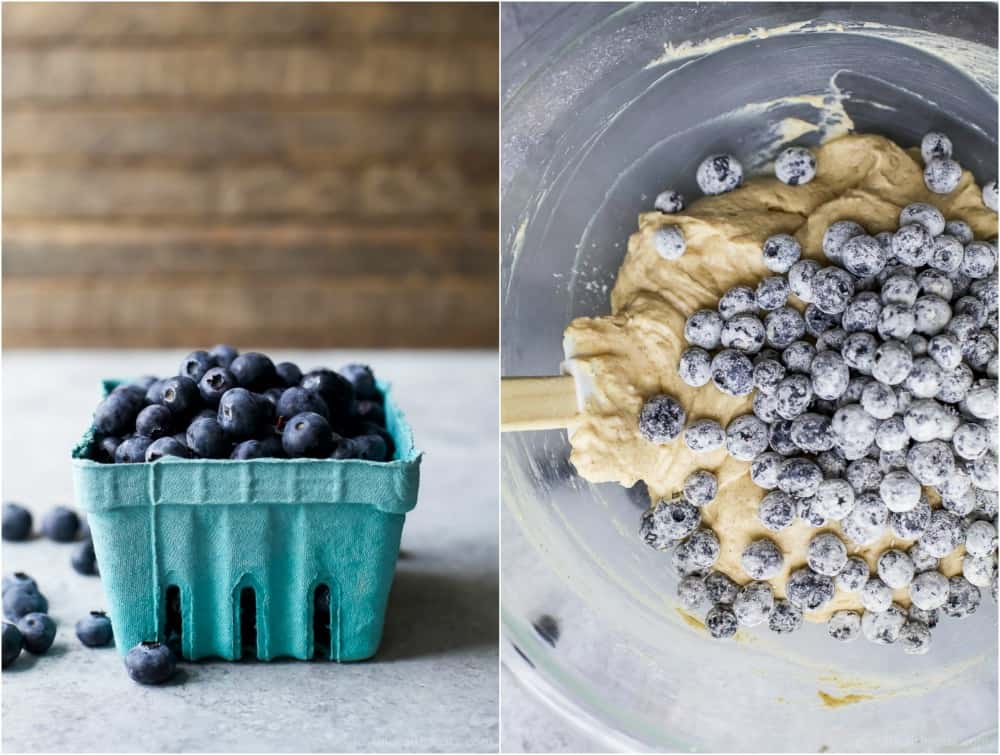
<point>266,557</point>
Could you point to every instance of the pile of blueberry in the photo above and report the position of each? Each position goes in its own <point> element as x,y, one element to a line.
<point>31,629</point>
<point>226,405</point>
<point>878,399</point>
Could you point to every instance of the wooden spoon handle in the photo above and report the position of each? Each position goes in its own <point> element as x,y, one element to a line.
<point>537,403</point>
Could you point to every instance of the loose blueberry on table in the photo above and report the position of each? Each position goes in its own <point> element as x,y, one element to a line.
<point>873,397</point>
<point>227,405</point>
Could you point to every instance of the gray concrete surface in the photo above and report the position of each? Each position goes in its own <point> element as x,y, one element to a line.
<point>432,686</point>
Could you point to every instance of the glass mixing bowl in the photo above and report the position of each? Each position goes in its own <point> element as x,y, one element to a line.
<point>603,108</point>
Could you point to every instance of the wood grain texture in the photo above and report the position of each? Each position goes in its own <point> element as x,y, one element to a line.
<point>287,174</point>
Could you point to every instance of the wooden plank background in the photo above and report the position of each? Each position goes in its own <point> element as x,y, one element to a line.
<point>271,174</point>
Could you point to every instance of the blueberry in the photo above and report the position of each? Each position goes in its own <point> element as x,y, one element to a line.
<point>753,603</point>
<point>739,300</point>
<point>812,433</point>
<point>930,462</point>
<point>781,252</point>
<point>168,446</point>
<point>780,438</point>
<point>700,488</point>
<point>793,396</point>
<point>370,447</point>
<point>876,595</point>
<point>915,637</point>
<point>61,524</point>
<point>13,642</point>
<point>867,519</point>
<point>981,538</point>
<point>960,230</point>
<point>692,593</point>
<point>307,435</point>
<point>800,278</point>
<point>762,559</point>
<point>928,618</point>
<point>242,415</point>
<point>826,554</point>
<point>196,364</point>
<point>669,242</point>
<point>943,535</point>
<point>83,559</point>
<point>783,326</point>
<point>900,491</point>
<point>883,627</point>
<point>785,617</point>
<point>942,175</point>
<point>721,622</point>
<point>979,570</point>
<point>854,575</point>
<point>104,451</point>
<point>795,166</point>
<point>979,260</point>
<point>695,366</point>
<point>808,590</point>
<point>746,437</point>
<point>863,256</point>
<point>150,663</point>
<point>16,522</point>
<point>896,569</point>
<point>913,245</point>
<point>704,435</point>
<point>346,448</point>
<point>922,560</point>
<point>208,439</point>
<point>370,411</point>
<point>214,383</point>
<point>721,589</point>
<point>830,375</point>
<point>132,450</point>
<point>798,356</point>
<point>23,599</point>
<point>661,419</point>
<point>837,235</point>
<point>363,380</point>
<point>732,373</point>
<point>667,202</point>
<point>947,255</point>
<point>932,314</point>
<point>777,510</point>
<point>718,174</point>
<point>336,390</point>
<point>990,194</point>
<point>18,579</point>
<point>844,625</point>
<point>296,400</point>
<point>367,428</point>
<point>116,414</point>
<point>181,396</point>
<point>832,289</point>
<point>764,470</point>
<point>677,518</point>
<point>154,393</point>
<point>963,598</point>
<point>772,293</point>
<point>767,373</point>
<point>38,632</point>
<point>900,289</point>
<point>818,321</point>
<point>744,333</point>
<point>254,371</point>
<point>154,421</point>
<point>933,145</point>
<point>765,406</point>
<point>94,630</point>
<point>268,448</point>
<point>704,329</point>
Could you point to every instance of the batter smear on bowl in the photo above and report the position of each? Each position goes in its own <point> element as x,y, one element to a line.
<point>802,371</point>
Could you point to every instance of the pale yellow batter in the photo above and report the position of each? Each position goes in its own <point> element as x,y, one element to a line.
<point>633,353</point>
